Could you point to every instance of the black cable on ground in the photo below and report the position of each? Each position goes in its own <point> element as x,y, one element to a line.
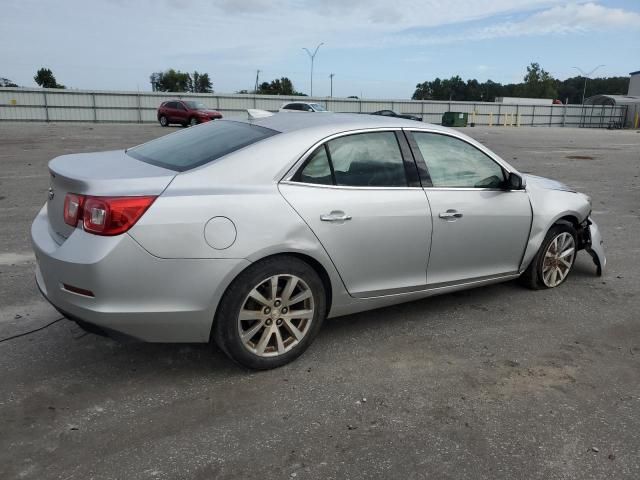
<point>31,331</point>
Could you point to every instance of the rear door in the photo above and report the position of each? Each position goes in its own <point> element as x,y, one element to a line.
<point>480,229</point>
<point>171,112</point>
<point>182,114</point>
<point>361,198</point>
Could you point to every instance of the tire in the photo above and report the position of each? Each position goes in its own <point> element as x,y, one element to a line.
<point>274,335</point>
<point>539,275</point>
<point>164,121</point>
<point>193,121</point>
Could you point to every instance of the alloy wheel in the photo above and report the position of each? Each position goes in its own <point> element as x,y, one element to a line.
<point>558,259</point>
<point>276,315</point>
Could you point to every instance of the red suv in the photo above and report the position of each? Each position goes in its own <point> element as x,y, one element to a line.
<point>185,112</point>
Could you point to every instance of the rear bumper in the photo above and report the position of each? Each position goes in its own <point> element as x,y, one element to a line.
<point>135,294</point>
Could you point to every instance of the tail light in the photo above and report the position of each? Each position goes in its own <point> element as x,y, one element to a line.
<point>73,208</point>
<point>106,215</point>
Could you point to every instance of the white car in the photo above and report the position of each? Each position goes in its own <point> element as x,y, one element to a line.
<point>303,107</point>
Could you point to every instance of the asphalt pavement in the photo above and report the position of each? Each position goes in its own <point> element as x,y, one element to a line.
<point>498,382</point>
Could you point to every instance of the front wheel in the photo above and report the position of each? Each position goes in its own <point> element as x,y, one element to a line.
<point>164,121</point>
<point>193,122</point>
<point>270,313</point>
<point>555,259</point>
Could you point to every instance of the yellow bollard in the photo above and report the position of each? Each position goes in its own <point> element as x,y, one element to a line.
<point>518,122</point>
<point>491,119</point>
<point>637,120</point>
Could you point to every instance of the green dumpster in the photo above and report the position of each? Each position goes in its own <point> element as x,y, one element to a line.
<point>455,119</point>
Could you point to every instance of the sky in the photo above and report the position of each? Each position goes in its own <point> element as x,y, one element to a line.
<point>374,48</point>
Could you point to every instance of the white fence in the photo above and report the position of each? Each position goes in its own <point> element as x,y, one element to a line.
<point>53,105</point>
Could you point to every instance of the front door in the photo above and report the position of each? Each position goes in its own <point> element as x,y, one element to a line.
<point>353,193</point>
<point>480,229</point>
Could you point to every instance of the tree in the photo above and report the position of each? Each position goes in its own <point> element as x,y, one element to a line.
<point>176,81</point>
<point>279,86</point>
<point>45,78</point>
<point>170,81</point>
<point>200,83</point>
<point>538,83</point>
<point>5,82</point>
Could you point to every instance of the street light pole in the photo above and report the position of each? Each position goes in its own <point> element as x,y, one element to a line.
<point>586,77</point>
<point>331,78</point>
<point>312,56</point>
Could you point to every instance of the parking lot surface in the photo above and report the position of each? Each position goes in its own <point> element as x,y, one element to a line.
<point>499,382</point>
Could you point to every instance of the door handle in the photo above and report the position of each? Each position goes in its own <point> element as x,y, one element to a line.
<point>450,214</point>
<point>335,216</point>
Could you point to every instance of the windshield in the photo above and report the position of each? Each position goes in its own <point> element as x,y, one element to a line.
<point>196,105</point>
<point>317,107</point>
<point>193,147</point>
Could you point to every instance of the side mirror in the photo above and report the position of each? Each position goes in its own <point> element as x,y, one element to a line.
<point>514,182</point>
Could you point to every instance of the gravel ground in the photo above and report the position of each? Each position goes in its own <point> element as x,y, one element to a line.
<point>498,382</point>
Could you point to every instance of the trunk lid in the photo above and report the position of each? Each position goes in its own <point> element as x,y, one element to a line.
<point>112,173</point>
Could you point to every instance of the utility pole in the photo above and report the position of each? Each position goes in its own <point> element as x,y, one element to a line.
<point>312,56</point>
<point>586,77</point>
<point>255,90</point>
<point>331,78</point>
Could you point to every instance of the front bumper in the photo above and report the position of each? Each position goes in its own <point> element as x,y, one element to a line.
<point>594,245</point>
<point>135,293</point>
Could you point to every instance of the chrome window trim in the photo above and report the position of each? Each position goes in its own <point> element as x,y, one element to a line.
<point>344,187</point>
<point>471,189</point>
<point>294,168</point>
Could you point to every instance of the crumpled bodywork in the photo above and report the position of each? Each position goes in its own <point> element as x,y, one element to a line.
<point>552,201</point>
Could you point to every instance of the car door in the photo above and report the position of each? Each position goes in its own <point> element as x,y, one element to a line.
<point>480,228</point>
<point>362,199</point>
<point>171,112</point>
<point>182,114</point>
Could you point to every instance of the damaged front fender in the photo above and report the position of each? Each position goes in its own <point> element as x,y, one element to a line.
<point>593,244</point>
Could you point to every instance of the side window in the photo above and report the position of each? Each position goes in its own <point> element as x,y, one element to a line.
<point>180,106</point>
<point>292,106</point>
<point>306,108</point>
<point>455,163</point>
<point>317,170</point>
<point>171,105</point>
<point>367,160</point>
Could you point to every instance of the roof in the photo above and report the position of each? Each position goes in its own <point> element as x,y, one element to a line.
<point>612,100</point>
<point>635,73</point>
<point>332,122</point>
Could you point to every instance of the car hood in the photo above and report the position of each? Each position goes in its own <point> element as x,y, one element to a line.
<point>547,183</point>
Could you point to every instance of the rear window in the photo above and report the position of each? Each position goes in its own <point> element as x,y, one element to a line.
<point>196,146</point>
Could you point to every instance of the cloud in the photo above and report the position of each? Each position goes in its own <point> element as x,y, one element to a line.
<point>568,19</point>
<point>234,38</point>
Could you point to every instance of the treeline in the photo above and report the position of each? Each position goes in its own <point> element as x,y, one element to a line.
<point>537,83</point>
<point>279,86</point>
<point>176,81</point>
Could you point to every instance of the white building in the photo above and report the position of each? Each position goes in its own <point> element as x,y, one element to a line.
<point>634,84</point>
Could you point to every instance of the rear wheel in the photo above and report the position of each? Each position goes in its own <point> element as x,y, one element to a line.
<point>271,313</point>
<point>555,259</point>
<point>164,121</point>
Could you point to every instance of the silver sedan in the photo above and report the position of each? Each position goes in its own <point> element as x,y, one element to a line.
<point>251,232</point>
